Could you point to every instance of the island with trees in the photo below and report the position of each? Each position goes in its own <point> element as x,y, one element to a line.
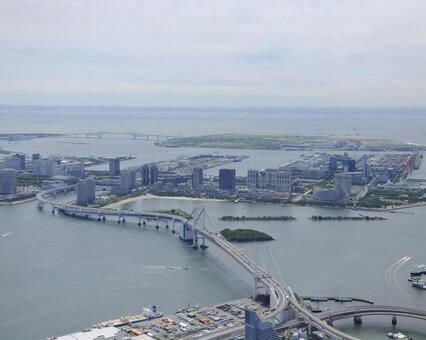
<point>245,235</point>
<point>347,218</point>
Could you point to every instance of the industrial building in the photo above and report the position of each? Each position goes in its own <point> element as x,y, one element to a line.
<point>74,169</point>
<point>7,181</point>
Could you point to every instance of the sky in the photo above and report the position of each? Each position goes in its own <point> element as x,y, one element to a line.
<point>213,52</point>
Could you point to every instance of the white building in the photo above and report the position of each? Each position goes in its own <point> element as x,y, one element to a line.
<point>44,167</point>
<point>252,179</point>
<point>283,181</point>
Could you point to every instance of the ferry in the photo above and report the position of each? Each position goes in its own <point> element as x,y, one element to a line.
<point>418,270</point>
<point>152,313</point>
<point>398,335</point>
<point>419,284</point>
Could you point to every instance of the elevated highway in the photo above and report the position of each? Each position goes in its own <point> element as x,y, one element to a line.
<point>358,311</point>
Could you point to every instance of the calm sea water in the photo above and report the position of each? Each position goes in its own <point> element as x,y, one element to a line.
<point>60,275</point>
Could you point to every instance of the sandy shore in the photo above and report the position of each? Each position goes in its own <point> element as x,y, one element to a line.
<point>117,205</point>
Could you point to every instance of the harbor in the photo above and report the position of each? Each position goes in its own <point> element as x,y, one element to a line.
<point>191,321</point>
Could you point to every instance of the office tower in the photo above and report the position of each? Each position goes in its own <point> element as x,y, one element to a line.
<point>16,161</point>
<point>153,174</point>
<point>283,182</point>
<point>227,179</point>
<point>86,192</point>
<point>252,179</point>
<point>197,177</point>
<point>114,166</point>
<point>351,165</point>
<point>7,181</point>
<point>332,163</point>
<point>256,329</point>
<point>35,156</point>
<point>44,167</point>
<point>366,172</point>
<point>343,182</point>
<point>128,180</point>
<point>145,174</point>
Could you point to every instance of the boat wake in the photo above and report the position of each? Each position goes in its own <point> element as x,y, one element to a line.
<point>391,273</point>
<point>169,267</point>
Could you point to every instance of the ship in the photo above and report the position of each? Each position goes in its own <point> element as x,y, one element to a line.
<point>418,270</point>
<point>419,284</point>
<point>398,335</point>
<point>152,313</point>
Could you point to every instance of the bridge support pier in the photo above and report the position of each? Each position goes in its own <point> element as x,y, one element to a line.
<point>203,243</point>
<point>357,320</point>
<point>394,320</point>
<point>194,239</point>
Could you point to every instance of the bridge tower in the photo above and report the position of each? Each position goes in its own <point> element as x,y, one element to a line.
<point>198,221</point>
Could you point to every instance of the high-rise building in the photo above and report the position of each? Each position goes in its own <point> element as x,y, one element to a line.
<point>351,165</point>
<point>227,179</point>
<point>153,174</point>
<point>7,181</point>
<point>114,167</point>
<point>256,329</point>
<point>44,167</point>
<point>128,180</point>
<point>252,179</point>
<point>16,161</point>
<point>35,156</point>
<point>366,172</point>
<point>91,190</point>
<point>145,174</point>
<point>86,191</point>
<point>197,177</point>
<point>343,182</point>
<point>332,163</point>
<point>283,181</point>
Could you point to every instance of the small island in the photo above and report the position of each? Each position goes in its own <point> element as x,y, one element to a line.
<point>347,218</point>
<point>245,235</point>
<point>257,218</point>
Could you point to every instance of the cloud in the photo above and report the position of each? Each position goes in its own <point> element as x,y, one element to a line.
<point>213,53</point>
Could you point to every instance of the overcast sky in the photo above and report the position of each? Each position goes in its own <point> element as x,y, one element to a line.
<point>213,52</point>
